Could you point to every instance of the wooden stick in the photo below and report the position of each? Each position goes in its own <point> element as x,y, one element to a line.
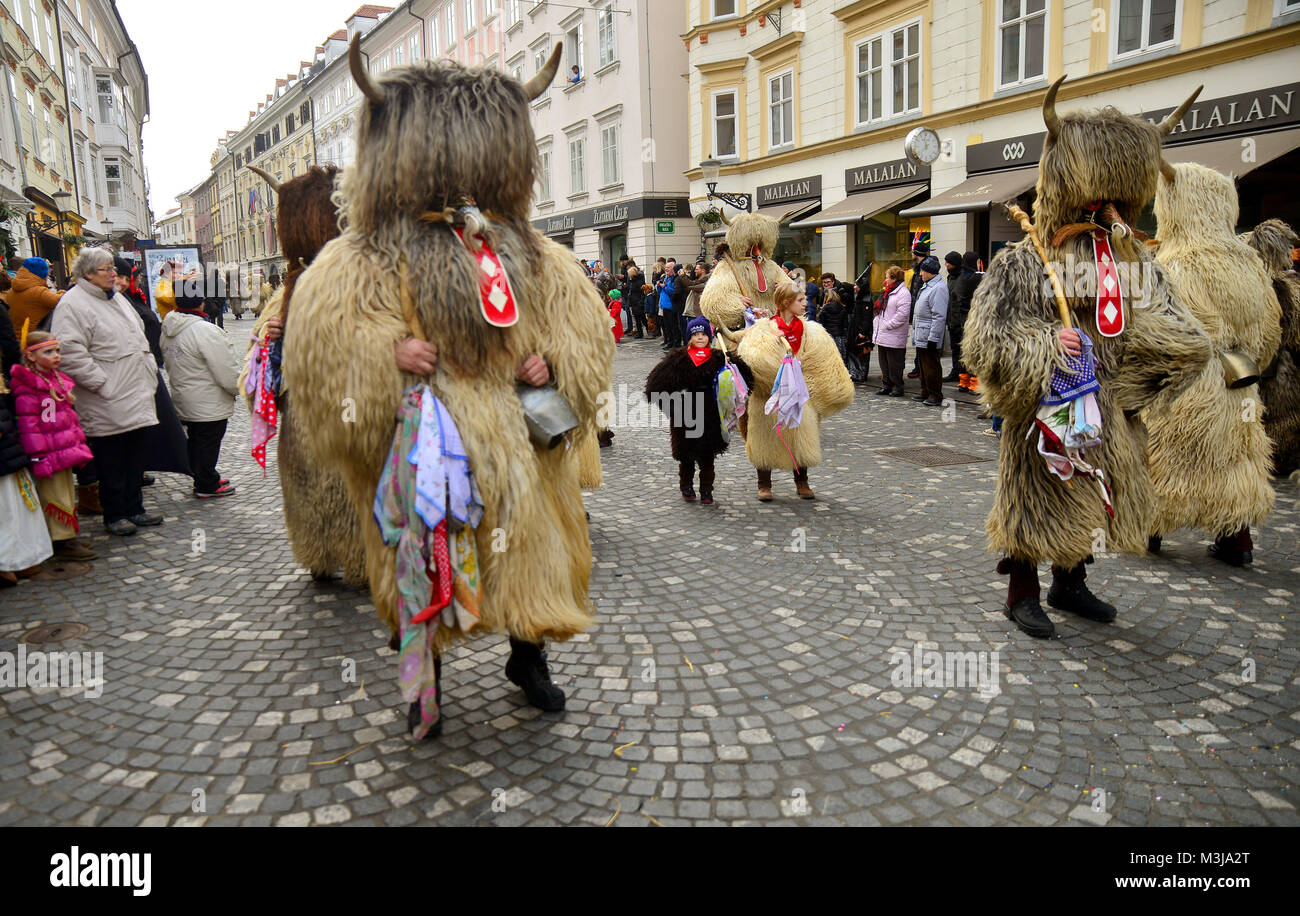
<point>1022,218</point>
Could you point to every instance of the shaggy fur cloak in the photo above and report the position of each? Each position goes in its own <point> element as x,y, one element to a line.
<point>677,372</point>
<point>323,531</point>
<point>442,131</point>
<point>1209,455</point>
<point>720,298</point>
<point>829,388</point>
<point>1273,241</point>
<point>1011,344</point>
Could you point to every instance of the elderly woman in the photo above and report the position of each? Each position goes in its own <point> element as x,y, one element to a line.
<point>106,353</point>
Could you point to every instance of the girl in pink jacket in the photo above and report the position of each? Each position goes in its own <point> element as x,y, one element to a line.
<point>52,436</point>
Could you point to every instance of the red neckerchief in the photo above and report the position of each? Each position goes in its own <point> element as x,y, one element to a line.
<point>793,332</point>
<point>883,301</point>
<point>699,355</point>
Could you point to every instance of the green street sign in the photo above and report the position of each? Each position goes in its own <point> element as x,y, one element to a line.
<point>664,227</point>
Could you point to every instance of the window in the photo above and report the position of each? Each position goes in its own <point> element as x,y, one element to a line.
<point>113,180</point>
<point>489,7</point>
<point>609,165</point>
<point>433,38</point>
<point>515,66</point>
<point>573,50</point>
<point>70,68</point>
<point>724,124</point>
<point>451,26</point>
<point>871,79</point>
<point>51,43</point>
<point>81,172</point>
<point>577,165</point>
<point>1144,25</point>
<point>414,45</point>
<point>239,160</point>
<point>385,63</point>
<point>304,113</point>
<point>33,126</point>
<point>906,68</point>
<point>724,8</point>
<point>349,87</point>
<point>469,15</point>
<point>605,35</point>
<point>399,56</point>
<point>544,176</point>
<point>781,108</point>
<point>1021,40</point>
<point>513,13</point>
<point>324,104</point>
<point>288,125</point>
<point>47,145</point>
<point>104,90</point>
<point>275,134</point>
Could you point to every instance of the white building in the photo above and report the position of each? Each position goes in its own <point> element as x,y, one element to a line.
<point>171,229</point>
<point>808,104</point>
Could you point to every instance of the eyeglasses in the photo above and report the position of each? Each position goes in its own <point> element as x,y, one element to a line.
<point>110,268</point>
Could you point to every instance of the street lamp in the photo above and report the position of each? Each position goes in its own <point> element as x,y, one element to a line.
<point>711,168</point>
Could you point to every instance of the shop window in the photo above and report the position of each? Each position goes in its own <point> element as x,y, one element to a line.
<point>1022,41</point>
<point>781,109</point>
<point>724,124</point>
<point>609,162</point>
<point>1144,25</point>
<point>605,35</point>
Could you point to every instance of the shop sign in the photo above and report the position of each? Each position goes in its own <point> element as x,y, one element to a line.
<point>769,195</point>
<point>885,175</point>
<point>641,208</point>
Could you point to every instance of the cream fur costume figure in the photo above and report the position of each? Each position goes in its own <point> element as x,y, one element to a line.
<point>1209,455</point>
<point>1274,240</point>
<point>1103,166</point>
<point>323,531</point>
<point>830,390</point>
<point>436,139</point>
<point>751,239</point>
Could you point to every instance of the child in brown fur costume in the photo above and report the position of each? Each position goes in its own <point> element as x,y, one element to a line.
<point>322,529</point>
<point>1014,339</point>
<point>695,425</point>
<point>440,148</point>
<point>1208,452</point>
<point>830,389</point>
<point>1274,241</point>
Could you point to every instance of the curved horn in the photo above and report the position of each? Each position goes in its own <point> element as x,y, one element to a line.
<point>541,80</point>
<point>359,74</point>
<point>1176,115</point>
<point>275,185</point>
<point>722,211</point>
<point>1049,112</point>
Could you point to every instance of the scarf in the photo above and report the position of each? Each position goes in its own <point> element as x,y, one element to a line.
<point>699,355</point>
<point>793,332</point>
<point>883,301</point>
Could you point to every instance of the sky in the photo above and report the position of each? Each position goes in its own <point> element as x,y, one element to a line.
<point>209,65</point>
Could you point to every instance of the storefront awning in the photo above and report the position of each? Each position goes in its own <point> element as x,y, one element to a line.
<point>799,209</point>
<point>978,193</point>
<point>858,207</point>
<point>1229,155</point>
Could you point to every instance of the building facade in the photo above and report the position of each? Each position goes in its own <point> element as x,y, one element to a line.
<point>171,229</point>
<point>612,136</point>
<point>807,105</point>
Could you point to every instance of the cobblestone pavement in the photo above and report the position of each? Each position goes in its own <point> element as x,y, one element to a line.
<point>745,667</point>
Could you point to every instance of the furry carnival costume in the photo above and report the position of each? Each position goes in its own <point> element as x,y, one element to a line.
<point>1208,452</point>
<point>747,257</point>
<point>442,150</point>
<point>1274,241</point>
<point>682,385</point>
<point>322,528</point>
<point>1110,162</point>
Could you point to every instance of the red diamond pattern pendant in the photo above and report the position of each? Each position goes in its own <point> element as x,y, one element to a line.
<point>1110,297</point>
<point>496,298</point>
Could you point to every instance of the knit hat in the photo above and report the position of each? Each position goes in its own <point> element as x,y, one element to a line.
<point>970,260</point>
<point>953,258</point>
<point>122,266</point>
<point>930,265</point>
<point>788,265</point>
<point>38,266</point>
<point>699,324</point>
<point>921,249</point>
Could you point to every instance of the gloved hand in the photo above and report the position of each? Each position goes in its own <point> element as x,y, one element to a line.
<point>932,345</point>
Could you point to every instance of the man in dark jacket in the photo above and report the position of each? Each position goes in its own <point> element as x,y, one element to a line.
<point>859,331</point>
<point>963,292</point>
<point>956,310</point>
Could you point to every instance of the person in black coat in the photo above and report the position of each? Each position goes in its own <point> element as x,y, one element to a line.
<point>860,326</point>
<point>682,386</point>
<point>834,317</point>
<point>634,296</point>
<point>10,352</point>
<point>963,291</point>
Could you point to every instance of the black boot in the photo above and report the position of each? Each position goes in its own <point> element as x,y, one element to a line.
<point>1234,549</point>
<point>1027,614</point>
<point>1153,543</point>
<point>527,670</point>
<point>1070,593</point>
<point>413,712</point>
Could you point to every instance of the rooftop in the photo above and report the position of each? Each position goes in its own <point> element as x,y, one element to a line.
<point>369,11</point>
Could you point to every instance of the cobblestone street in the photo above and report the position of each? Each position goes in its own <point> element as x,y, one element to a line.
<point>744,667</point>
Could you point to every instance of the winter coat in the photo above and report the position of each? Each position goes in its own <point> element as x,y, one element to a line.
<point>13,458</point>
<point>891,325</point>
<point>53,443</point>
<point>10,353</point>
<point>676,372</point>
<point>681,289</point>
<point>860,319</point>
<point>202,367</point>
<point>107,354</point>
<point>152,323</point>
<point>667,292</point>
<point>30,298</point>
<point>633,295</point>
<point>962,292</point>
<point>835,318</point>
<point>930,315</point>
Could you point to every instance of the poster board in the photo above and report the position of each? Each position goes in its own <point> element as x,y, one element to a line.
<point>173,264</point>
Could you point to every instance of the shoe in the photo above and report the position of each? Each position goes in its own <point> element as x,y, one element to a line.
<point>121,527</point>
<point>986,413</point>
<point>148,480</point>
<point>896,393</point>
<point>706,499</point>
<point>145,520</point>
<point>932,402</point>
<point>1153,544</point>
<point>764,494</point>
<point>73,549</point>
<point>991,432</point>
<point>1027,614</point>
<point>88,500</point>
<point>688,494</point>
<point>8,579</point>
<point>915,373</point>
<point>805,492</point>
<point>640,336</point>
<point>885,391</point>
<point>224,489</point>
<point>919,397</point>
<point>527,669</point>
<point>952,377</point>
<point>1225,551</point>
<point>1077,599</point>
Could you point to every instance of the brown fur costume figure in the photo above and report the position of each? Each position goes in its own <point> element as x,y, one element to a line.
<point>1209,455</point>
<point>1280,386</point>
<point>749,235</point>
<point>1012,344</point>
<point>430,137</point>
<point>323,530</point>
